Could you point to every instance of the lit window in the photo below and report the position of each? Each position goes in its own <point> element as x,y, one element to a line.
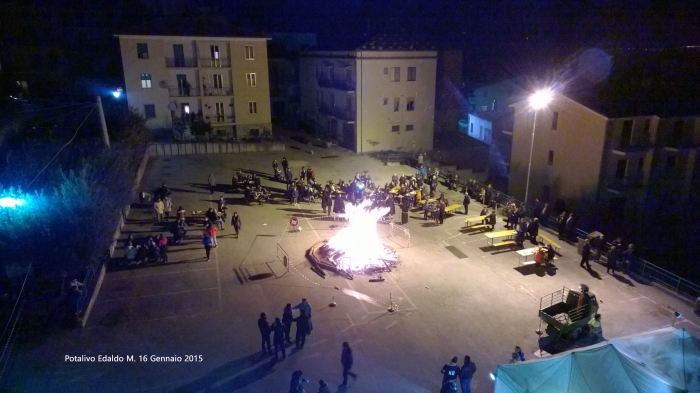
<point>142,50</point>
<point>249,54</point>
<point>395,128</point>
<point>150,111</point>
<point>250,79</point>
<point>410,104</point>
<point>253,107</point>
<point>411,76</point>
<point>146,81</point>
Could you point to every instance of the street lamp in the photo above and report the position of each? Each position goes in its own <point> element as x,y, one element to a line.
<point>537,101</point>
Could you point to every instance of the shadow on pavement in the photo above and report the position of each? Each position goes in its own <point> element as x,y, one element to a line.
<point>623,280</point>
<point>207,382</point>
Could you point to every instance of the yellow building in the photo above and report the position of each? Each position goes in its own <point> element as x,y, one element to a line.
<point>371,99</point>
<point>173,80</point>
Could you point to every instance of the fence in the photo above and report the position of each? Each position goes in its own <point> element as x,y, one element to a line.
<point>191,148</point>
<point>643,268</point>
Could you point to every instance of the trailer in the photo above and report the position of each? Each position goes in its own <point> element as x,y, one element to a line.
<point>567,313</point>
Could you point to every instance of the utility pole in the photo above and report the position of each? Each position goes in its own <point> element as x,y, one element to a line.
<point>105,136</point>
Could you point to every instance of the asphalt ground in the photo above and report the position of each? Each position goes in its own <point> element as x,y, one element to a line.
<point>454,297</point>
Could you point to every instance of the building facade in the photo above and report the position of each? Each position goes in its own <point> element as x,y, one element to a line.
<point>222,81</point>
<point>371,100</point>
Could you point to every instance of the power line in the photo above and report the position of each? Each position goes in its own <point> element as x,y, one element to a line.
<point>59,151</point>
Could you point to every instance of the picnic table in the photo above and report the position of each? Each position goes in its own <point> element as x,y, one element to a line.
<point>451,208</point>
<point>395,190</point>
<point>526,253</point>
<point>494,235</point>
<point>469,221</point>
<point>423,201</point>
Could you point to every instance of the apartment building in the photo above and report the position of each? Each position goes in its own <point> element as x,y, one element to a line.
<point>371,99</point>
<point>220,80</point>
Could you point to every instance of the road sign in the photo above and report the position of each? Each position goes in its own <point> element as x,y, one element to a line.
<point>293,221</point>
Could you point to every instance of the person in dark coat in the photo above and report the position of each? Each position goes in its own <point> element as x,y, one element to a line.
<point>236,222</point>
<point>586,253</point>
<point>534,229</point>
<point>390,205</point>
<point>328,201</point>
<point>265,331</point>
<point>570,227</point>
<point>612,259</point>
<point>520,237</point>
<point>442,208</point>
<point>450,373</point>
<point>297,383</point>
<point>466,203</point>
<point>288,177</point>
<point>339,205</point>
<point>278,331</point>
<point>346,360</point>
<point>492,219</point>
<point>599,244</point>
<point>466,372</point>
<point>285,164</point>
<point>562,224</point>
<point>302,329</point>
<point>537,209</point>
<point>287,319</point>
<point>629,259</point>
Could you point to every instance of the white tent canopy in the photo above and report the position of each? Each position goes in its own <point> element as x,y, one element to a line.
<point>666,360</point>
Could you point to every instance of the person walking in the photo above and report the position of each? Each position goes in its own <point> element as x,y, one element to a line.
<point>346,360</point>
<point>278,330</point>
<point>211,231</point>
<point>466,203</point>
<point>586,253</point>
<point>206,240</point>
<point>159,207</point>
<point>212,183</point>
<point>236,222</point>
<point>450,373</point>
<point>167,206</point>
<point>163,247</point>
<point>287,319</point>
<point>466,372</point>
<point>596,328</point>
<point>302,329</point>
<point>297,383</point>
<point>265,331</point>
<point>612,259</point>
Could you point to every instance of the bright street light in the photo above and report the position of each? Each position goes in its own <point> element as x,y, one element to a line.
<point>539,100</point>
<point>10,202</point>
<point>117,93</point>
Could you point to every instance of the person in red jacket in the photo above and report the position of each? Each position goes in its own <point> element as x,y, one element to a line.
<point>211,231</point>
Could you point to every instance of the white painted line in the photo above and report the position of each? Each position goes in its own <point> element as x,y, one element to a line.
<point>318,342</point>
<point>218,280</point>
<point>313,229</point>
<point>364,316</point>
<point>390,325</point>
<point>161,294</point>
<point>161,274</point>
<point>360,301</point>
<point>404,295</point>
<point>357,342</point>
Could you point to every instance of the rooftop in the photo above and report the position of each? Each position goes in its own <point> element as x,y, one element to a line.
<point>191,27</point>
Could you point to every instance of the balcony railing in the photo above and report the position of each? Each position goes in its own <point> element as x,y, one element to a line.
<point>180,62</point>
<point>220,119</point>
<point>217,91</point>
<point>183,92</point>
<point>339,113</point>
<point>215,63</point>
<point>337,84</point>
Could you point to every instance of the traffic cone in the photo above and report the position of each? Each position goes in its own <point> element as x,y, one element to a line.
<point>333,303</point>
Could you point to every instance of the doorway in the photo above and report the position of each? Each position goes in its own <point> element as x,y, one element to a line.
<point>183,88</point>
<point>179,55</point>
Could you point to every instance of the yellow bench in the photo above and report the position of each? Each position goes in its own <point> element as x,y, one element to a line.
<point>545,239</point>
<point>423,201</point>
<point>493,235</point>
<point>451,208</point>
<point>505,243</point>
<point>469,221</point>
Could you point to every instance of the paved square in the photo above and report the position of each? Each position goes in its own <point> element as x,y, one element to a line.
<point>454,295</point>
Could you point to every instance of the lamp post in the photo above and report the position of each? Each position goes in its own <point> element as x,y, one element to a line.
<point>537,101</point>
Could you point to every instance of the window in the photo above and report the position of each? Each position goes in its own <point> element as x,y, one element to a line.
<point>395,74</point>
<point>395,128</point>
<point>249,55</point>
<point>385,101</point>
<point>397,104</point>
<point>626,137</point>
<point>409,127</point>
<point>254,132</point>
<point>411,76</point>
<point>252,107</point>
<point>386,70</point>
<point>150,111</point>
<point>621,169</point>
<point>218,80</point>
<point>550,160</point>
<point>671,162</point>
<point>146,81</point>
<point>410,104</point>
<point>214,50</point>
<point>142,50</point>
<point>220,114</point>
<point>555,120</point>
<point>250,79</point>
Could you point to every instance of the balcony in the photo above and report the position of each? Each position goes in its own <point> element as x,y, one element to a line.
<point>336,84</point>
<point>215,63</point>
<point>625,185</point>
<point>629,150</point>
<point>183,92</point>
<point>217,91</point>
<point>338,113</point>
<point>185,62</point>
<point>220,119</point>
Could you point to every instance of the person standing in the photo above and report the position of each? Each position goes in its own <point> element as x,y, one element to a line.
<point>466,372</point>
<point>612,259</point>
<point>278,330</point>
<point>323,387</point>
<point>492,219</point>
<point>212,183</point>
<point>236,222</point>
<point>159,207</point>
<point>599,243</point>
<point>163,247</point>
<point>206,240</point>
<point>466,203</point>
<point>562,224</point>
<point>450,372</point>
<point>534,229</point>
<point>295,196</point>
<point>302,174</point>
<point>304,306</point>
<point>297,383</point>
<point>168,206</point>
<point>264,328</point>
<point>285,164</point>
<point>287,319</point>
<point>596,328</point>
<point>211,231</point>
<point>302,329</point>
<point>570,233</point>
<point>442,211</point>
<point>629,259</point>
<point>346,360</point>
<point>586,253</point>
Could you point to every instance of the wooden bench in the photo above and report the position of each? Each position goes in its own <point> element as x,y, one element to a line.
<point>469,221</point>
<point>423,201</point>
<point>526,253</point>
<point>480,226</point>
<point>505,243</point>
<point>545,239</point>
<point>451,208</point>
<point>493,235</point>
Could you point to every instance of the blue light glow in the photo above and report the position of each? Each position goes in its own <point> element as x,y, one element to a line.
<point>10,202</point>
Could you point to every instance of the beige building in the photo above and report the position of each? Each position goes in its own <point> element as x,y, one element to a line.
<point>371,100</point>
<point>222,81</point>
<point>566,157</point>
